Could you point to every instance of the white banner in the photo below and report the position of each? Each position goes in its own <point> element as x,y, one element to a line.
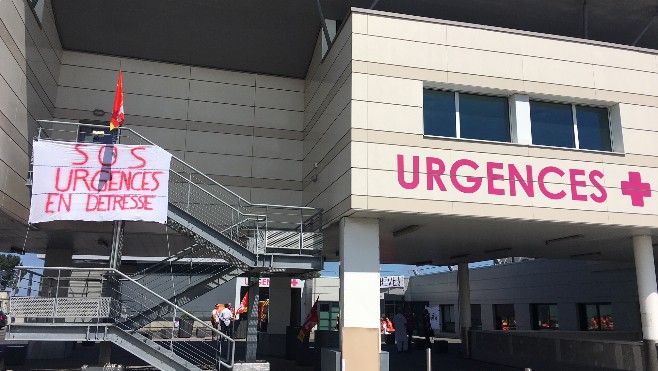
<point>435,317</point>
<point>99,182</point>
<point>391,281</point>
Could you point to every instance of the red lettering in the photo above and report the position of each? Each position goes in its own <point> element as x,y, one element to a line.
<point>491,177</point>
<point>68,185</point>
<point>104,155</point>
<point>89,199</point>
<point>78,148</point>
<point>476,182</point>
<point>113,185</point>
<point>98,184</point>
<point>147,202</point>
<point>126,177</point>
<point>80,174</point>
<point>416,177</point>
<point>49,203</point>
<point>62,201</point>
<point>575,183</point>
<point>526,184</point>
<point>157,182</point>
<point>593,179</point>
<point>540,181</point>
<point>144,181</point>
<point>434,175</point>
<point>134,185</point>
<point>141,159</point>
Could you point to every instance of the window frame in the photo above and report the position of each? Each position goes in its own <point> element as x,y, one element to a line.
<point>457,122</point>
<point>574,120</point>
<point>534,312</point>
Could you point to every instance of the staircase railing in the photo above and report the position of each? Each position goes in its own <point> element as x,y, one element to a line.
<point>259,228</point>
<point>100,296</point>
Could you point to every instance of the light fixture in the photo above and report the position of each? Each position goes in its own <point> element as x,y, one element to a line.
<point>498,250</point>
<point>586,255</point>
<point>406,230</point>
<point>98,112</point>
<point>566,238</point>
<point>455,257</point>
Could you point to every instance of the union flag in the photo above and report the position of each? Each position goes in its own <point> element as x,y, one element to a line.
<point>244,304</point>
<point>311,320</point>
<point>117,110</point>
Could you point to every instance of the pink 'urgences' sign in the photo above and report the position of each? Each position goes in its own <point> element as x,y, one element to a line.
<point>516,180</point>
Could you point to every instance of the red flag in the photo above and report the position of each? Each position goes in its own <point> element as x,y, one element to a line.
<point>244,304</point>
<point>311,320</point>
<point>117,109</point>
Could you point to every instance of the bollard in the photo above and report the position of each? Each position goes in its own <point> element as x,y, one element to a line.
<point>428,351</point>
<point>527,369</point>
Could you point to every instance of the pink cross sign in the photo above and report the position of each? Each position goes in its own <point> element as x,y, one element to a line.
<point>635,188</point>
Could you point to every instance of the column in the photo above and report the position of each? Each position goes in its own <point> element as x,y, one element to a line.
<point>464,307</point>
<point>252,320</point>
<point>645,272</point>
<point>359,294</point>
<point>279,316</point>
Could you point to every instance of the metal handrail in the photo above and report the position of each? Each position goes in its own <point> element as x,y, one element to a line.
<point>247,203</point>
<point>121,277</point>
<point>197,193</point>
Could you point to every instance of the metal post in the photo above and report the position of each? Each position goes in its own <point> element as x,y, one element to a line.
<point>428,351</point>
<point>252,320</point>
<point>29,285</point>
<point>325,30</point>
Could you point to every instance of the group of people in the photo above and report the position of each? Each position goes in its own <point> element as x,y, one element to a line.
<point>403,325</point>
<point>222,318</point>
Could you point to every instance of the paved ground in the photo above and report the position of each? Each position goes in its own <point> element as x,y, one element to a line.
<point>411,361</point>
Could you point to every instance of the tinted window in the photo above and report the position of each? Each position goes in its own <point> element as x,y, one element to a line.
<point>552,124</point>
<point>439,113</point>
<point>593,128</point>
<point>483,117</point>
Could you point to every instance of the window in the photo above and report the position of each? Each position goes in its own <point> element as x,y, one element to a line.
<point>476,317</point>
<point>37,7</point>
<point>570,126</point>
<point>447,318</point>
<point>504,317</point>
<point>468,116</point>
<point>596,317</point>
<point>545,317</point>
<point>328,313</point>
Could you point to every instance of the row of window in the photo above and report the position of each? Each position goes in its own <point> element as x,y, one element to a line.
<point>593,317</point>
<point>483,117</point>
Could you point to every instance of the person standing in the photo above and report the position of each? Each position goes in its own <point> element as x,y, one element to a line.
<point>400,325</point>
<point>411,324</point>
<point>214,318</point>
<point>225,318</point>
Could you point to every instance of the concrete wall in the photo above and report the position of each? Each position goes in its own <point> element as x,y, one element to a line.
<point>328,178</point>
<point>30,58</point>
<point>563,282</point>
<point>394,57</point>
<point>244,130</point>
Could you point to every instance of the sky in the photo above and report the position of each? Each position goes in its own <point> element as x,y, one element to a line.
<point>331,269</point>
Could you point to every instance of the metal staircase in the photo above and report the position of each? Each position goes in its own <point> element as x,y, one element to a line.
<point>230,236</point>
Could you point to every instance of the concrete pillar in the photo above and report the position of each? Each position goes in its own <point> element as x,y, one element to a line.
<point>105,353</point>
<point>273,343</point>
<point>279,314</point>
<point>647,291</point>
<point>464,307</point>
<point>359,294</point>
<point>252,320</point>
